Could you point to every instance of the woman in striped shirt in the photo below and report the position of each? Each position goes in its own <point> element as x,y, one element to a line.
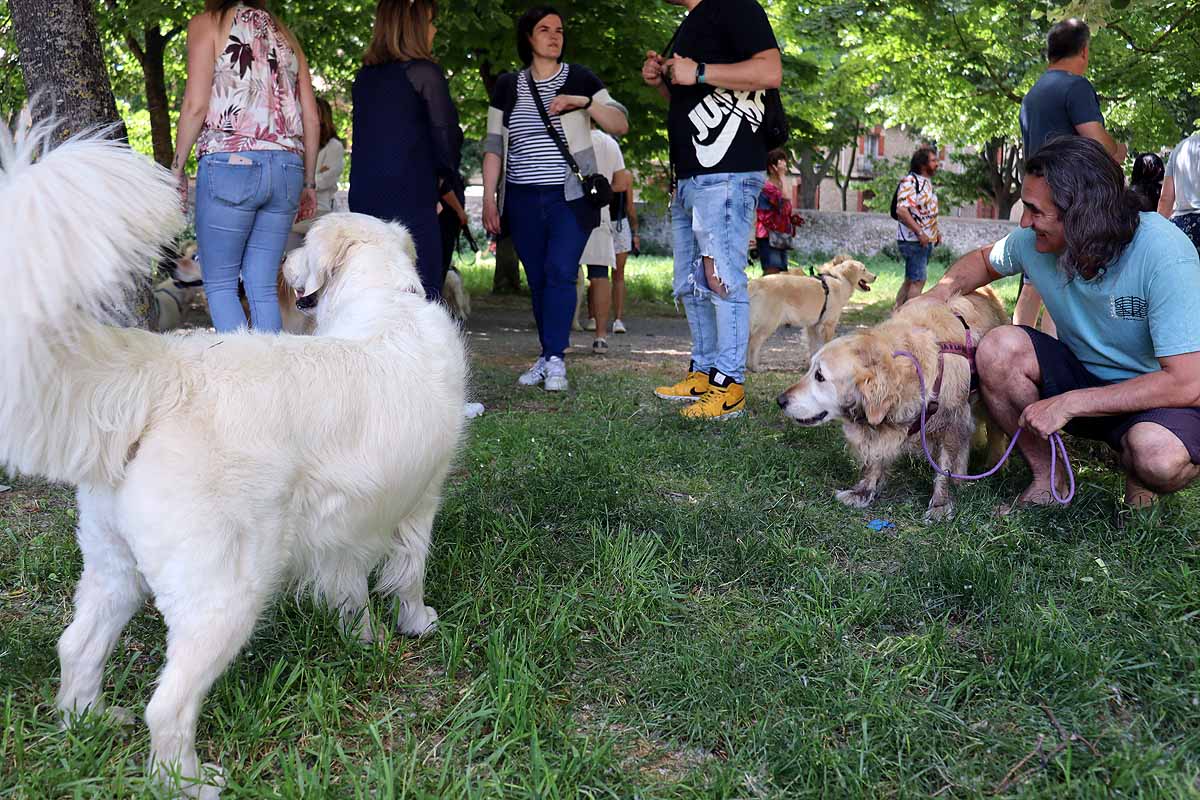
<point>541,202</point>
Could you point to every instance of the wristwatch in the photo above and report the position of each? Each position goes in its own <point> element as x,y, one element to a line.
<point>700,72</point>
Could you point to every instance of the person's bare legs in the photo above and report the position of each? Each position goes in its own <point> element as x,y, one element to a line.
<point>908,290</point>
<point>1010,379</point>
<point>618,287</point>
<point>599,296</point>
<point>1156,462</point>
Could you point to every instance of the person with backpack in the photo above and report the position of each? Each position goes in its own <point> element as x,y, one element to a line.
<point>915,208</point>
<point>717,75</point>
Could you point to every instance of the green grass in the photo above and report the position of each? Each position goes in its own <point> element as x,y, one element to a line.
<point>635,606</point>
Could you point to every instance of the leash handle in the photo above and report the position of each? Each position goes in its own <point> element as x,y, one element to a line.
<point>1057,446</point>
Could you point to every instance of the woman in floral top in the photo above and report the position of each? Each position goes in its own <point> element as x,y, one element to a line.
<point>249,109</point>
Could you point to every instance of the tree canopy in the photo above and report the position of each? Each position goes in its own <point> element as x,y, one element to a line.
<point>953,71</point>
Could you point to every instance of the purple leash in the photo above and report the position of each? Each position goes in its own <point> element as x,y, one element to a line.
<point>1056,446</point>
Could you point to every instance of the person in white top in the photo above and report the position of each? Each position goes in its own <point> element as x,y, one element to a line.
<point>330,159</point>
<point>1180,198</point>
<point>599,255</point>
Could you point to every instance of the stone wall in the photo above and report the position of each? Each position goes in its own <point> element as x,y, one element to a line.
<point>831,232</point>
<point>823,232</point>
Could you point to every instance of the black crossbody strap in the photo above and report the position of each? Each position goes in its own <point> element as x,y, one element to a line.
<point>558,140</point>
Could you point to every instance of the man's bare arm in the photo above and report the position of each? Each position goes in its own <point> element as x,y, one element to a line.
<point>965,275</point>
<point>763,70</point>
<point>1096,131</point>
<point>1176,385</point>
<point>1166,201</point>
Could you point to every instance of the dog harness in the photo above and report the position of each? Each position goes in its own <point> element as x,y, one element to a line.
<point>825,302</point>
<point>967,351</point>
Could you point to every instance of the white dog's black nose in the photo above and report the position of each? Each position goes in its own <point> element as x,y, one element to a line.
<point>782,400</point>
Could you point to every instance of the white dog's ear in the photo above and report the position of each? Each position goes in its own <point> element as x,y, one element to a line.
<point>324,263</point>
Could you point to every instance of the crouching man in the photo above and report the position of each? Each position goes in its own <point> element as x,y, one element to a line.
<point>1124,289</point>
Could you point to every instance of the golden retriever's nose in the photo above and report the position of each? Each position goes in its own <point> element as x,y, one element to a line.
<point>782,400</point>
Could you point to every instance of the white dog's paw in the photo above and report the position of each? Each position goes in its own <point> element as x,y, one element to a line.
<point>857,498</point>
<point>417,620</point>
<point>214,782</point>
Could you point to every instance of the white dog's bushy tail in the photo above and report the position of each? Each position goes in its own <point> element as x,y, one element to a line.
<point>79,224</point>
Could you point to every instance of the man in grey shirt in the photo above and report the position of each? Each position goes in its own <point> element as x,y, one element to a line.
<point>1061,103</point>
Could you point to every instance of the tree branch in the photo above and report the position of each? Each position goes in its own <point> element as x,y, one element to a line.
<point>969,52</point>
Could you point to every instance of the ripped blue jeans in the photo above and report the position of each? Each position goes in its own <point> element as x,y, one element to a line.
<point>713,215</point>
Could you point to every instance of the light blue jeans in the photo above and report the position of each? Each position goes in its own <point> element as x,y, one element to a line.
<point>244,213</point>
<point>713,216</point>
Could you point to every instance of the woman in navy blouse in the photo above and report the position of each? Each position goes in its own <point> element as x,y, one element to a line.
<point>407,142</point>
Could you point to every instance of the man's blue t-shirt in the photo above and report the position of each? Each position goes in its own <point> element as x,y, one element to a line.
<point>1058,102</point>
<point>1145,306</point>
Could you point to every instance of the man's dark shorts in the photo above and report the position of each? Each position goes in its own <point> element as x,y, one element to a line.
<point>1063,372</point>
<point>916,259</point>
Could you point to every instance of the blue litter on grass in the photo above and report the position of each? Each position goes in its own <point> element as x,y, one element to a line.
<point>879,524</point>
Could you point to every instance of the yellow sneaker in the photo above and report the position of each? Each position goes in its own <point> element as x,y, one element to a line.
<point>720,402</point>
<point>688,390</point>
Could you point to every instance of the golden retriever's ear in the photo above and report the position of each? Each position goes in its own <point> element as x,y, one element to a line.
<point>876,390</point>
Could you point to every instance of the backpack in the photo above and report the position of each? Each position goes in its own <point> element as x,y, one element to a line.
<point>896,194</point>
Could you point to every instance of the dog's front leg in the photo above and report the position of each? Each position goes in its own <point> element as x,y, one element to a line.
<point>870,482</point>
<point>952,456</point>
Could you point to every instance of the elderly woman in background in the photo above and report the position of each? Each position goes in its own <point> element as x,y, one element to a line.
<point>249,109</point>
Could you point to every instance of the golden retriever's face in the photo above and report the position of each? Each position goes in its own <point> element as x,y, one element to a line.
<point>856,273</point>
<point>850,379</point>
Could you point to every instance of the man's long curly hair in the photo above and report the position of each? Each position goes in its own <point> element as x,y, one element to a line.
<point>1099,215</point>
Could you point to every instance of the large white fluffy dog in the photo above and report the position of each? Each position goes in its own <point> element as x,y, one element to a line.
<point>279,460</point>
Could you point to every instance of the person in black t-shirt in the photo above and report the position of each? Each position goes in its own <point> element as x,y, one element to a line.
<point>722,60</point>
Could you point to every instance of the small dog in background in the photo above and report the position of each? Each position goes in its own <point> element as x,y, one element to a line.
<point>802,300</point>
<point>181,291</point>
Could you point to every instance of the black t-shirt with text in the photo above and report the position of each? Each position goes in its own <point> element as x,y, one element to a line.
<point>716,130</point>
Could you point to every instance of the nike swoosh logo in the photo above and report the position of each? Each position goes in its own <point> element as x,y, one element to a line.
<point>712,113</point>
<point>696,393</point>
<point>727,407</point>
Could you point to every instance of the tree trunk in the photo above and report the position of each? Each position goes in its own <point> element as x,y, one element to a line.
<point>157,102</point>
<point>507,279</point>
<point>813,167</point>
<point>63,64</point>
<point>845,187</point>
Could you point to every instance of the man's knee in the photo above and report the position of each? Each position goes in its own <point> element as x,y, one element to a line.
<point>1157,457</point>
<point>1005,352</point>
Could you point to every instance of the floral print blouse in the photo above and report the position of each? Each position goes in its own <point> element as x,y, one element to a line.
<point>255,101</point>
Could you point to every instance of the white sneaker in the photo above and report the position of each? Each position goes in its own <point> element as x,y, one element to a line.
<point>618,326</point>
<point>556,375</point>
<point>590,325</point>
<point>535,374</point>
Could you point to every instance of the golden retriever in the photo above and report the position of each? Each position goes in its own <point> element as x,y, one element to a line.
<point>858,381</point>
<point>280,461</point>
<point>800,300</point>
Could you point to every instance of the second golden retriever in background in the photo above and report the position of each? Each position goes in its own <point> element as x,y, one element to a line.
<point>801,300</point>
<point>858,381</point>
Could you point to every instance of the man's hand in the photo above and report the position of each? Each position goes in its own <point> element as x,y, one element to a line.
<point>1047,416</point>
<point>681,71</point>
<point>923,240</point>
<point>563,103</point>
<point>652,71</point>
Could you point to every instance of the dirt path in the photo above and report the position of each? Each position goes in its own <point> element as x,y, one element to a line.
<point>501,331</point>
